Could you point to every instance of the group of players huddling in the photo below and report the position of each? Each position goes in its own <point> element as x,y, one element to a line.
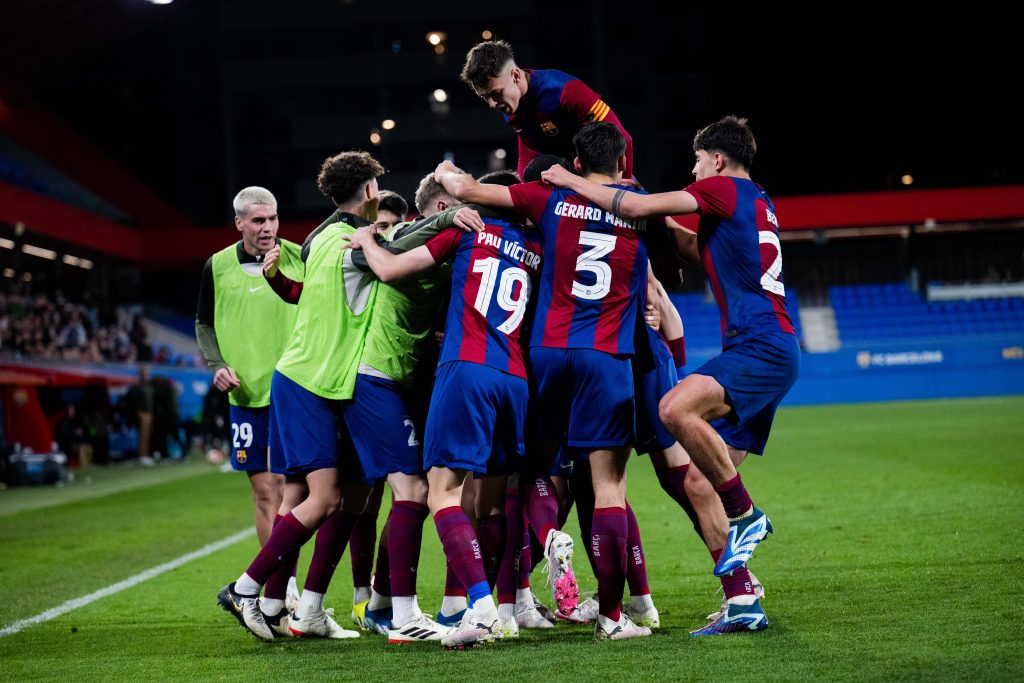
<point>559,355</point>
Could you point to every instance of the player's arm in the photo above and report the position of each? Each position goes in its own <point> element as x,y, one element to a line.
<point>289,290</point>
<point>387,266</point>
<point>588,107</point>
<point>224,377</point>
<point>671,322</point>
<point>623,202</point>
<point>686,242</point>
<point>466,189</point>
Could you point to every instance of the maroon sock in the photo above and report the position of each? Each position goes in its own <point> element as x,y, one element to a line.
<point>453,587</point>
<point>361,545</point>
<point>737,583</point>
<point>277,584</point>
<point>734,497</point>
<point>331,539</point>
<point>382,572</point>
<point>636,563</point>
<point>490,531</point>
<point>461,547</point>
<point>285,540</point>
<point>508,568</point>
<point>678,349</point>
<point>583,492</point>
<point>526,563</point>
<point>542,507</point>
<point>672,480</point>
<point>608,546</point>
<point>405,536</point>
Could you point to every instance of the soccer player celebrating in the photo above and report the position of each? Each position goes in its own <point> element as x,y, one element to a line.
<point>591,284</point>
<point>546,108</point>
<point>481,378</point>
<point>314,375</point>
<point>235,305</point>
<point>739,390</point>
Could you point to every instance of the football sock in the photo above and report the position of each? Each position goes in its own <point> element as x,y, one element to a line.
<point>405,608</point>
<point>361,546</point>
<point>636,563</point>
<point>331,539</point>
<point>608,546</point>
<point>490,531</point>
<point>288,536</point>
<point>310,603</point>
<point>672,480</point>
<point>734,498</point>
<point>462,550</point>
<point>508,569</point>
<point>405,536</point>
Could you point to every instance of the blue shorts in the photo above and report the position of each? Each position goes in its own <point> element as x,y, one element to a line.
<point>476,420</point>
<point>651,385</point>
<point>277,460</point>
<point>563,465</point>
<point>305,425</point>
<point>756,376</point>
<point>382,429</point>
<point>583,397</point>
<point>250,438</point>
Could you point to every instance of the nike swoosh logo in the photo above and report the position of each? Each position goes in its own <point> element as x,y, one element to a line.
<point>255,289</point>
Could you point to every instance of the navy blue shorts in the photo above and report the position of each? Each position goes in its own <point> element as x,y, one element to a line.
<point>476,420</point>
<point>277,460</point>
<point>382,429</point>
<point>305,426</point>
<point>655,381</point>
<point>756,376</point>
<point>583,397</point>
<point>250,438</point>
<point>563,465</point>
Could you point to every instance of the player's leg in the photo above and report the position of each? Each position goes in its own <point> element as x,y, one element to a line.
<point>250,453</point>
<point>489,506</point>
<point>267,493</point>
<point>310,617</point>
<point>362,545</point>
<point>462,552</point>
<point>280,594</point>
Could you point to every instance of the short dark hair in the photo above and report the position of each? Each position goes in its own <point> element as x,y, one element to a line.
<point>540,164</point>
<point>484,62</point>
<point>730,136</point>
<point>599,147</point>
<point>393,202</point>
<point>506,178</point>
<point>343,174</point>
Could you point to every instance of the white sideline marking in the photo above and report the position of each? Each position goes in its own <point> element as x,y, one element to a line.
<point>131,581</point>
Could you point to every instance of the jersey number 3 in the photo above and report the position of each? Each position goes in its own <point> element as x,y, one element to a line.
<point>516,305</point>
<point>590,261</point>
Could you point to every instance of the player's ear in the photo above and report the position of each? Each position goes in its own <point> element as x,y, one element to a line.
<point>719,162</point>
<point>622,163</point>
<point>238,223</point>
<point>441,205</point>
<point>577,165</point>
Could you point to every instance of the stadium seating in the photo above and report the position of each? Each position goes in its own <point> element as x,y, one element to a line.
<point>891,312</point>
<point>701,321</point>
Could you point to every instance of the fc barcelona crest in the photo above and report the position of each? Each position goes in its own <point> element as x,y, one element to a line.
<point>548,128</point>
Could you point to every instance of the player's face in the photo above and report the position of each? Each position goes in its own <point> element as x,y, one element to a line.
<point>258,228</point>
<point>386,220</point>
<point>504,92</point>
<point>705,166</point>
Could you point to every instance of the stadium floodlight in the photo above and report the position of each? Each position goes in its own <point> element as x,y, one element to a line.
<point>85,263</point>
<point>907,179</point>
<point>9,272</point>
<point>32,250</point>
<point>387,124</point>
<point>435,38</point>
<point>486,35</point>
<point>440,95</point>
<point>6,243</point>
<point>375,136</point>
<point>500,153</point>
<point>159,2</point>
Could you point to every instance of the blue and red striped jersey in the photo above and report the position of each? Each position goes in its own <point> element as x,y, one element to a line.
<point>555,107</point>
<point>738,238</point>
<point>594,276</point>
<point>493,275</point>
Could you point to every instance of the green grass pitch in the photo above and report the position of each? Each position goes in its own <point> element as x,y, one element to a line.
<point>897,556</point>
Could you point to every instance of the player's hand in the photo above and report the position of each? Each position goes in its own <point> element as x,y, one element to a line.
<point>359,238</point>
<point>558,176</point>
<point>469,220</point>
<point>225,379</point>
<point>270,260</point>
<point>652,317</point>
<point>445,167</point>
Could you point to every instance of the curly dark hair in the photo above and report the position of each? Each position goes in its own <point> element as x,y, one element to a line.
<point>393,202</point>
<point>540,164</point>
<point>484,62</point>
<point>731,136</point>
<point>343,174</point>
